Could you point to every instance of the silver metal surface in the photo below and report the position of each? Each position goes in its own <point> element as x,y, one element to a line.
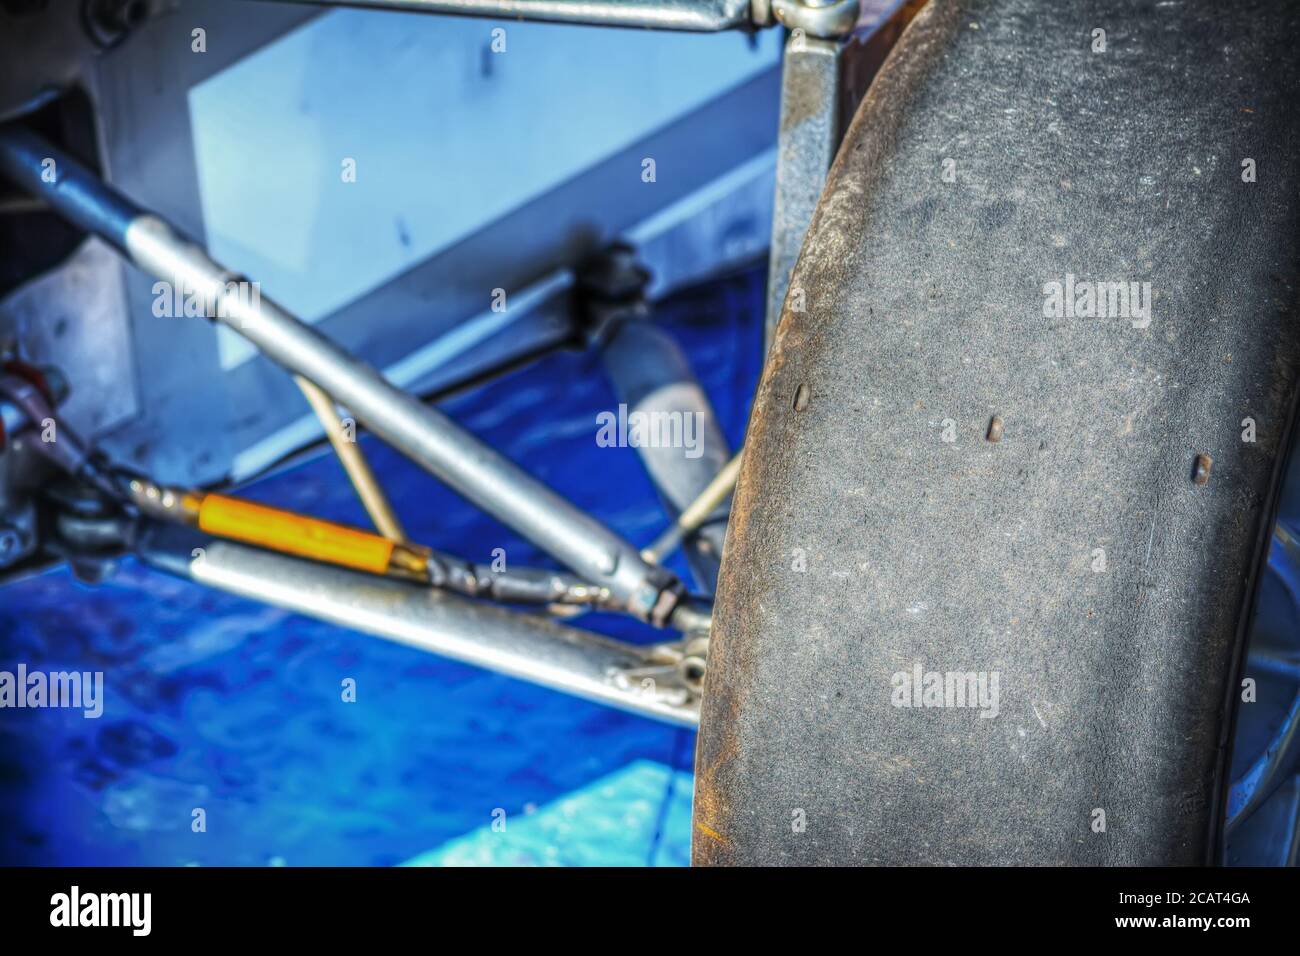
<point>540,319</point>
<point>712,497</point>
<point>707,16</point>
<point>432,440</point>
<point>817,18</point>
<point>806,145</point>
<point>534,649</point>
<point>74,316</point>
<point>724,225</point>
<point>654,379</point>
<point>22,392</point>
<point>188,426</point>
<point>199,423</point>
<point>355,465</point>
<point>564,593</point>
<point>693,616</point>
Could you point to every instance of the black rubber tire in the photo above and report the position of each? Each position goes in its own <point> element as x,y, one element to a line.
<point>863,544</point>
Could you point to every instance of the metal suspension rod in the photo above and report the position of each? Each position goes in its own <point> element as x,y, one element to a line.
<point>806,144</point>
<point>288,532</point>
<point>706,16</point>
<point>354,463</point>
<point>698,511</point>
<point>438,444</point>
<point>531,648</point>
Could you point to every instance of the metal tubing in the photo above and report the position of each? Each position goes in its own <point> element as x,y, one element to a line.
<point>67,451</point>
<point>288,532</point>
<point>653,378</point>
<point>354,463</point>
<point>816,18</point>
<point>707,16</point>
<point>714,495</point>
<point>515,586</point>
<point>534,649</point>
<point>806,143</point>
<point>450,453</point>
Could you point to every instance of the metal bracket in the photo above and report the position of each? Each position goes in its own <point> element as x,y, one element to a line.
<point>833,18</point>
<point>806,145</point>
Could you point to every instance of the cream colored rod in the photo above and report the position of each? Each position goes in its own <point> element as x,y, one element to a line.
<point>695,514</point>
<point>354,463</point>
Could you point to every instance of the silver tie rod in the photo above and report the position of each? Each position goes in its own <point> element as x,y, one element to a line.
<point>431,439</point>
<point>692,15</point>
<point>642,679</point>
<point>818,18</point>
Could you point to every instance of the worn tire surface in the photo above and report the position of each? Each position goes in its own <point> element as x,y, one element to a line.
<point>863,543</point>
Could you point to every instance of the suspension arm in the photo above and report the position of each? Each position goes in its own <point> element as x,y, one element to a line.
<point>435,442</point>
<point>641,679</point>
